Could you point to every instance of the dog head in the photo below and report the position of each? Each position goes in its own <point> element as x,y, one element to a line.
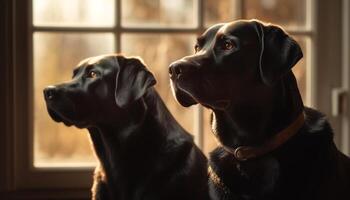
<point>102,88</point>
<point>234,63</point>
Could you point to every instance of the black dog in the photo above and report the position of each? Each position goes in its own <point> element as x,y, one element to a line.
<point>144,153</point>
<point>271,146</point>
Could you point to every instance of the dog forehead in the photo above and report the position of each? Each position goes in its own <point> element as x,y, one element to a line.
<point>242,28</point>
<point>104,62</point>
<point>211,31</point>
<point>96,60</point>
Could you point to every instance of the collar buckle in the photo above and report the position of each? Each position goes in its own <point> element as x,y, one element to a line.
<point>243,153</point>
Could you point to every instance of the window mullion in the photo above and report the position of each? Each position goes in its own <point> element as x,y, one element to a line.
<point>70,29</point>
<point>200,15</point>
<point>239,11</point>
<point>118,29</point>
<point>198,112</point>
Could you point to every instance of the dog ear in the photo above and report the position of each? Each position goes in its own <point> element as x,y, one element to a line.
<point>132,81</point>
<point>278,53</point>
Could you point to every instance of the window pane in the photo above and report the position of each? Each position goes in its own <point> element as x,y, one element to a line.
<point>219,11</point>
<point>291,13</point>
<point>158,51</point>
<point>300,68</point>
<point>92,13</point>
<point>299,71</point>
<point>210,142</point>
<point>55,55</point>
<point>159,13</point>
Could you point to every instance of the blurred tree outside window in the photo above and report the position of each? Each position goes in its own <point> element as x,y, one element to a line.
<point>159,31</point>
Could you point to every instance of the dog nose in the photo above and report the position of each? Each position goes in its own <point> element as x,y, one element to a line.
<point>50,92</point>
<point>179,67</point>
<point>175,70</point>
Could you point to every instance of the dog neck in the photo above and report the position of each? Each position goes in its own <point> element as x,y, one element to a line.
<point>247,131</point>
<point>243,153</point>
<point>128,151</point>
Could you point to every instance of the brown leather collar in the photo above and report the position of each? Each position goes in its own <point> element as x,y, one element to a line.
<point>244,153</point>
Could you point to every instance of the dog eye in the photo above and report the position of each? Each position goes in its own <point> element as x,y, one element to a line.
<point>228,45</point>
<point>196,48</point>
<point>92,74</point>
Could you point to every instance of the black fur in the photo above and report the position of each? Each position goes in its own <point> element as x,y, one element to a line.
<point>144,153</point>
<point>308,166</point>
<point>242,72</point>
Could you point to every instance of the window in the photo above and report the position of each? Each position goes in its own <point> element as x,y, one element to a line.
<point>160,31</point>
<point>44,154</point>
<point>66,32</point>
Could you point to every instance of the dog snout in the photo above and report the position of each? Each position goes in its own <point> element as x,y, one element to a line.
<point>50,93</point>
<point>180,67</point>
<point>175,69</point>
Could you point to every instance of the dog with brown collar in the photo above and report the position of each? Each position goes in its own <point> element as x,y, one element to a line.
<point>271,145</point>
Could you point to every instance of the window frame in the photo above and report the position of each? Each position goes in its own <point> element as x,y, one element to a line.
<point>118,30</point>
<point>345,85</point>
<point>22,180</point>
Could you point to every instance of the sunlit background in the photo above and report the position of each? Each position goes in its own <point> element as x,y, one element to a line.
<point>160,31</point>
